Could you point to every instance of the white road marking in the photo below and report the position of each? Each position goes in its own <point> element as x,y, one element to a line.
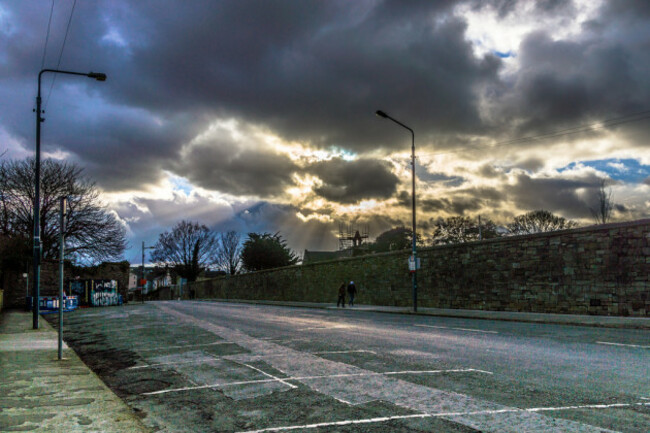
<point>322,376</point>
<point>622,344</point>
<point>343,351</point>
<point>458,329</point>
<point>420,399</point>
<point>431,326</point>
<point>476,330</point>
<point>185,346</point>
<point>311,328</point>
<point>440,415</point>
<point>194,361</point>
<point>290,385</point>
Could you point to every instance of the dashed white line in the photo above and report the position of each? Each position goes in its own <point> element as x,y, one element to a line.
<point>608,343</point>
<point>343,351</point>
<point>439,415</point>
<point>458,329</point>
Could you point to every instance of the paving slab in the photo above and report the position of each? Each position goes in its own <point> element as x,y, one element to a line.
<point>40,393</point>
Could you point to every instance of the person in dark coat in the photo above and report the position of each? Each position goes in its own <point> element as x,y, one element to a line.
<point>352,291</point>
<point>341,300</point>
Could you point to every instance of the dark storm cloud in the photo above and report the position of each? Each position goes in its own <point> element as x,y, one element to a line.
<point>222,165</point>
<point>506,7</point>
<point>313,71</point>
<point>352,181</point>
<point>577,81</point>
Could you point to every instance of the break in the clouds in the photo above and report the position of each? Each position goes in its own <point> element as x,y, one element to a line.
<point>260,114</point>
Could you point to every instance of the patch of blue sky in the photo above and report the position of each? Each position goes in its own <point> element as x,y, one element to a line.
<point>181,184</point>
<point>625,170</point>
<point>503,55</point>
<point>344,154</point>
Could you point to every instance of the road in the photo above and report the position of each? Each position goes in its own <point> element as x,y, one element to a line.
<point>205,367</point>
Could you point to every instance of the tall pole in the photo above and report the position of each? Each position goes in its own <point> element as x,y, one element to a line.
<point>36,260</point>
<point>61,257</point>
<point>414,277</point>
<point>142,279</point>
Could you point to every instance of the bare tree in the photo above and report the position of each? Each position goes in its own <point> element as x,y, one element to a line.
<point>602,211</point>
<point>93,233</point>
<point>537,222</point>
<point>189,248</point>
<point>229,252</point>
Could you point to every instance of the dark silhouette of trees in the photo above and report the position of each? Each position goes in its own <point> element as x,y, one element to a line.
<point>189,248</point>
<point>602,210</point>
<point>93,234</point>
<point>266,251</point>
<point>229,252</point>
<point>459,229</point>
<point>398,238</point>
<point>537,222</point>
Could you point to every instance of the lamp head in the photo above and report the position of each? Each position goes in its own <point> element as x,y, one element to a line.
<point>381,114</point>
<point>97,76</point>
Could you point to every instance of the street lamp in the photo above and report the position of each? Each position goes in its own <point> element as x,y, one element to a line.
<point>142,280</point>
<point>37,186</point>
<point>414,253</point>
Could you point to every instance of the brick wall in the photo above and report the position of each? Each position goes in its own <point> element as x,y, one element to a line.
<point>600,270</point>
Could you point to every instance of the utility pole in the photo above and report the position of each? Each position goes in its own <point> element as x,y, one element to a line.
<point>61,258</point>
<point>142,280</point>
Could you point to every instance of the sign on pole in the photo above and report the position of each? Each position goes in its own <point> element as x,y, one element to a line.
<point>414,263</point>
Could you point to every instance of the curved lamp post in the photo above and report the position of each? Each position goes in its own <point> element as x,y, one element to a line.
<point>414,277</point>
<point>37,185</point>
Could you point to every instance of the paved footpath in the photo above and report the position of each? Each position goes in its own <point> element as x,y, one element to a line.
<point>39,393</point>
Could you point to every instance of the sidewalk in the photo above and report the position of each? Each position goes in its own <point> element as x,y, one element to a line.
<point>39,393</point>
<point>547,318</point>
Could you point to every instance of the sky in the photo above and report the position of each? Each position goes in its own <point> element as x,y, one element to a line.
<point>259,116</point>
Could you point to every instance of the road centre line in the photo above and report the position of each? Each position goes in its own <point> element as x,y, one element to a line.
<point>622,344</point>
<point>459,329</point>
<point>438,415</point>
<point>324,376</point>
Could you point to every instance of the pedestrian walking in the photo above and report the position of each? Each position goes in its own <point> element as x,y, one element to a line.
<point>341,300</point>
<point>352,291</point>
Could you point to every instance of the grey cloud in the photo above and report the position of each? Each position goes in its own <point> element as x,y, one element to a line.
<point>225,166</point>
<point>554,194</point>
<point>349,182</point>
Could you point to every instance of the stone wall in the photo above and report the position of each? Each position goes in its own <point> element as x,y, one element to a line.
<point>602,270</point>
<point>15,289</point>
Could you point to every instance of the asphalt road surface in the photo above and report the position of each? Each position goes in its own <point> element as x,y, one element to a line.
<point>208,367</point>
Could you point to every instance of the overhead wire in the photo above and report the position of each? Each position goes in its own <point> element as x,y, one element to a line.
<point>58,63</point>
<point>632,117</point>
<point>47,35</point>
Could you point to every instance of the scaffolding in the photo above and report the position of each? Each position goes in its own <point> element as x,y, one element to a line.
<point>350,236</point>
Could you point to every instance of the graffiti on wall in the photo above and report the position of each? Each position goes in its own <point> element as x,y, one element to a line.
<point>96,293</point>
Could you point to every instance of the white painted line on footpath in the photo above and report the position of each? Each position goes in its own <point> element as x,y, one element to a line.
<point>324,376</point>
<point>623,345</point>
<point>440,415</point>
<point>290,385</point>
<point>431,326</point>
